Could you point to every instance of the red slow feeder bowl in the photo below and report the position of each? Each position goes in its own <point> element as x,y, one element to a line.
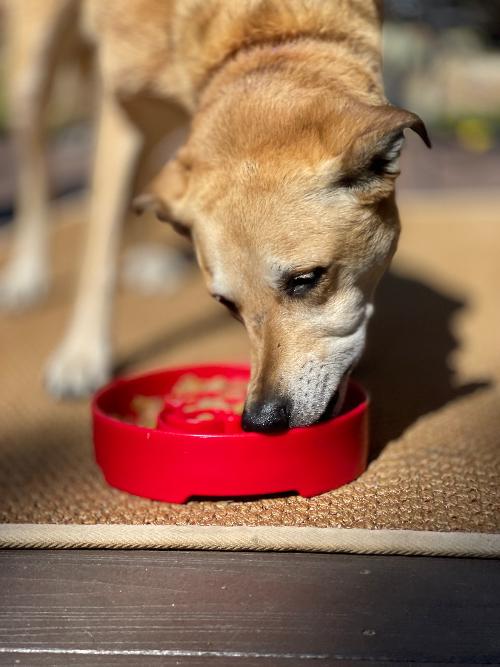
<point>200,451</point>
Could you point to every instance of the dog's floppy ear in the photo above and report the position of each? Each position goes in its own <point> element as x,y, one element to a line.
<point>163,195</point>
<point>374,153</point>
<point>149,201</point>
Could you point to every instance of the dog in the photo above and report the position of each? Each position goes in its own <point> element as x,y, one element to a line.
<point>285,184</point>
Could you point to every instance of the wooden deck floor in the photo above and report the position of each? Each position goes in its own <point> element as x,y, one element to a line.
<point>212,608</point>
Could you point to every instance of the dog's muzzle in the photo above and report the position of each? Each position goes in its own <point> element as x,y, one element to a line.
<point>334,405</point>
<point>273,416</point>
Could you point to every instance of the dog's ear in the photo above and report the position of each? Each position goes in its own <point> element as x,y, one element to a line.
<point>164,194</point>
<point>149,201</point>
<point>373,155</point>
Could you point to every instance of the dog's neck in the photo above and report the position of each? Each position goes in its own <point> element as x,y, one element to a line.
<point>278,92</point>
<point>216,42</point>
<point>303,62</point>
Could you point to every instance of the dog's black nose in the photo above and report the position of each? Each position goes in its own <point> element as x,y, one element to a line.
<point>266,416</point>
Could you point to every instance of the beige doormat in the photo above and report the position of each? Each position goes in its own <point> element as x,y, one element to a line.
<point>432,369</point>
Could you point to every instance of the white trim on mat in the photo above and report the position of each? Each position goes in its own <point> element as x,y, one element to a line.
<point>249,538</point>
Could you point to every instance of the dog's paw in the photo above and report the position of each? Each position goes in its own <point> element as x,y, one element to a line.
<point>151,268</point>
<point>76,369</point>
<point>22,285</point>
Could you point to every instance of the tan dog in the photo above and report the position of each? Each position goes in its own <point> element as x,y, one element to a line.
<point>285,184</point>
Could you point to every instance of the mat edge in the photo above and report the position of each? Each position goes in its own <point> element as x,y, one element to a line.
<point>250,538</point>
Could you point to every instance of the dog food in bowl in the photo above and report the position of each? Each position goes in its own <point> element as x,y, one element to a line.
<point>192,397</point>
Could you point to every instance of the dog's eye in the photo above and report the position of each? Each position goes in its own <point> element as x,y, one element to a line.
<point>300,284</point>
<point>230,305</point>
<point>181,229</point>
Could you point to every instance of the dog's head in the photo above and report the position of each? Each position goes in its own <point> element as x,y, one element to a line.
<point>294,222</point>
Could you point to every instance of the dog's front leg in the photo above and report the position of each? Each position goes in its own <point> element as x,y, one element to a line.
<point>83,360</point>
<point>31,31</point>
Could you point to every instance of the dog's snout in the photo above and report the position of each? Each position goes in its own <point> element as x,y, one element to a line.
<point>268,416</point>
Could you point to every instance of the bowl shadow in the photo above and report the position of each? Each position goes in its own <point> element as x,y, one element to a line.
<point>406,367</point>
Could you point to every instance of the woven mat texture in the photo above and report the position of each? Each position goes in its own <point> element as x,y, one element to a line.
<point>432,367</point>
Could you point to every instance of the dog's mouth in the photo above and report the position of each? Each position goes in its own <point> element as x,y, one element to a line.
<point>334,405</point>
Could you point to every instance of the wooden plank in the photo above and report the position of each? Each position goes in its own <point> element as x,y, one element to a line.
<point>50,660</point>
<point>247,608</point>
<point>127,661</point>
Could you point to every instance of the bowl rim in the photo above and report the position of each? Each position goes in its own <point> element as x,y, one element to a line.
<point>97,410</point>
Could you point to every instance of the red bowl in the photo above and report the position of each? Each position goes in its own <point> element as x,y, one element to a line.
<point>183,457</point>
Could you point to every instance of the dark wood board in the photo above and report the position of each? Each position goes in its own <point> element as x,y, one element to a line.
<point>246,608</point>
